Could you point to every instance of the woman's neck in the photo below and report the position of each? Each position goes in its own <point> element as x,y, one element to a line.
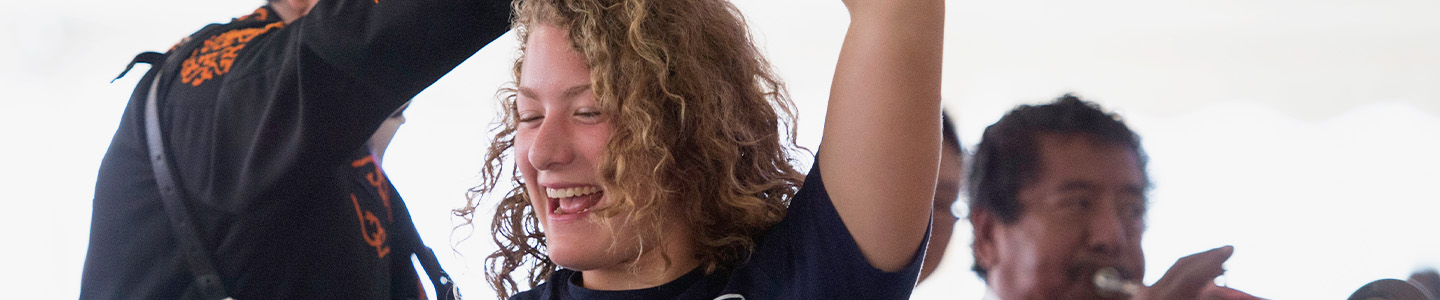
<point>651,269</point>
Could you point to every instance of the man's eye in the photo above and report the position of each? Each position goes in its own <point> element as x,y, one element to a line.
<point>1138,211</point>
<point>530,119</point>
<point>1077,206</point>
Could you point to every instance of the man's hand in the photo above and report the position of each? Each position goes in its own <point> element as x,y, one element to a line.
<point>1193,277</point>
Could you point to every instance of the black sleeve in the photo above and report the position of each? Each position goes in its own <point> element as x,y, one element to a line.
<point>359,60</point>
<point>401,45</point>
<point>302,96</point>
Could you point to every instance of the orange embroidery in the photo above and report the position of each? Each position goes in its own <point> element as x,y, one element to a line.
<point>375,238</point>
<point>377,180</point>
<point>218,53</point>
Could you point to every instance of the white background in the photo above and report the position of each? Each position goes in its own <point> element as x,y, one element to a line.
<point>1305,133</point>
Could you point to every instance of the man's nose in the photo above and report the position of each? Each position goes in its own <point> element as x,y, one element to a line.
<point>1106,231</point>
<point>551,146</point>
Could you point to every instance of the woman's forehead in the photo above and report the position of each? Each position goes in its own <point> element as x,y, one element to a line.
<point>551,68</point>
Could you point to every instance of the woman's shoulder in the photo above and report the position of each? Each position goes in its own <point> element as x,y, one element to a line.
<point>537,293</point>
<point>810,254</point>
<point>811,196</point>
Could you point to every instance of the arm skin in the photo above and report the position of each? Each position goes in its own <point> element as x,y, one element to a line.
<point>881,146</point>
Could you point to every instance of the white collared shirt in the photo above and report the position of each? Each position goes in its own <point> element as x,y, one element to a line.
<point>990,294</point>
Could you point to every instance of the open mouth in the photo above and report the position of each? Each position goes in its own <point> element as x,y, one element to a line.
<point>573,200</point>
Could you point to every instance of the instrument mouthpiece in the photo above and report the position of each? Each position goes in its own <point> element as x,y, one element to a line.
<point>1109,283</point>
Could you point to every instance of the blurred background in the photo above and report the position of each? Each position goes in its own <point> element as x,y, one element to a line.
<point>1303,132</point>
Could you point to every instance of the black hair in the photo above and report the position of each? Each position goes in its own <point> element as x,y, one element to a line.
<point>947,132</point>
<point>1008,157</point>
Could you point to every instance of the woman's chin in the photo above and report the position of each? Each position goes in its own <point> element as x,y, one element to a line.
<point>578,261</point>
<point>576,254</point>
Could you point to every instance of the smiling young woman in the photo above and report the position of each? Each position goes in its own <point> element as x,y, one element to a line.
<point>653,146</point>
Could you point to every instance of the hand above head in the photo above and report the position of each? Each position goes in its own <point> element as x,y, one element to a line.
<point>1193,277</point>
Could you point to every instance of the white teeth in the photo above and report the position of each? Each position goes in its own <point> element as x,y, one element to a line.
<point>568,193</point>
<point>571,192</point>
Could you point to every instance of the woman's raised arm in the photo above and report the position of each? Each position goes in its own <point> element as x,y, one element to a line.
<point>881,147</point>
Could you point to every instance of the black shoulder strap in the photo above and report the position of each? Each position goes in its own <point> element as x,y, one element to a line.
<point>151,58</point>
<point>444,287</point>
<point>197,258</point>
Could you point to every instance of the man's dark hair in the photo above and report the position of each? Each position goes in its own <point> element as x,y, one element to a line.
<point>1008,156</point>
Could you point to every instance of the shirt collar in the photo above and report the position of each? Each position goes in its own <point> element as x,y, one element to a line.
<point>990,294</point>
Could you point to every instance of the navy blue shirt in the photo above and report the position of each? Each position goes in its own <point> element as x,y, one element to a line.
<point>808,255</point>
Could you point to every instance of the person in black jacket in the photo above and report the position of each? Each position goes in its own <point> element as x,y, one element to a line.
<point>266,122</point>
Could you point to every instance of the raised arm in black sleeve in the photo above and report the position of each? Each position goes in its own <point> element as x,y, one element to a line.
<point>266,124</point>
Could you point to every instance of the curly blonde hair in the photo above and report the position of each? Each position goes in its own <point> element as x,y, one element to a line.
<point>703,131</point>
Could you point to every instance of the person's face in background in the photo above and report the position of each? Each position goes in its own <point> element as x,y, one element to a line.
<point>289,10</point>
<point>1084,211</point>
<point>947,189</point>
<point>380,140</point>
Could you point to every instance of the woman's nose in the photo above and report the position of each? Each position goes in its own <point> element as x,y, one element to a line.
<point>551,145</point>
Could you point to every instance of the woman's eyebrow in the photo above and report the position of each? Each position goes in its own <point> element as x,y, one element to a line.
<point>574,91</point>
<point>570,92</point>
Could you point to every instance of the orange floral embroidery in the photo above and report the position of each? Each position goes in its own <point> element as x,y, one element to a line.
<point>215,56</point>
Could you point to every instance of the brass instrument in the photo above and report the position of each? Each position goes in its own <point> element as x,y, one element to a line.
<point>1109,283</point>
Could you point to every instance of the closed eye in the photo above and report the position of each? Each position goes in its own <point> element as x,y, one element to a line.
<point>588,115</point>
<point>527,119</point>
